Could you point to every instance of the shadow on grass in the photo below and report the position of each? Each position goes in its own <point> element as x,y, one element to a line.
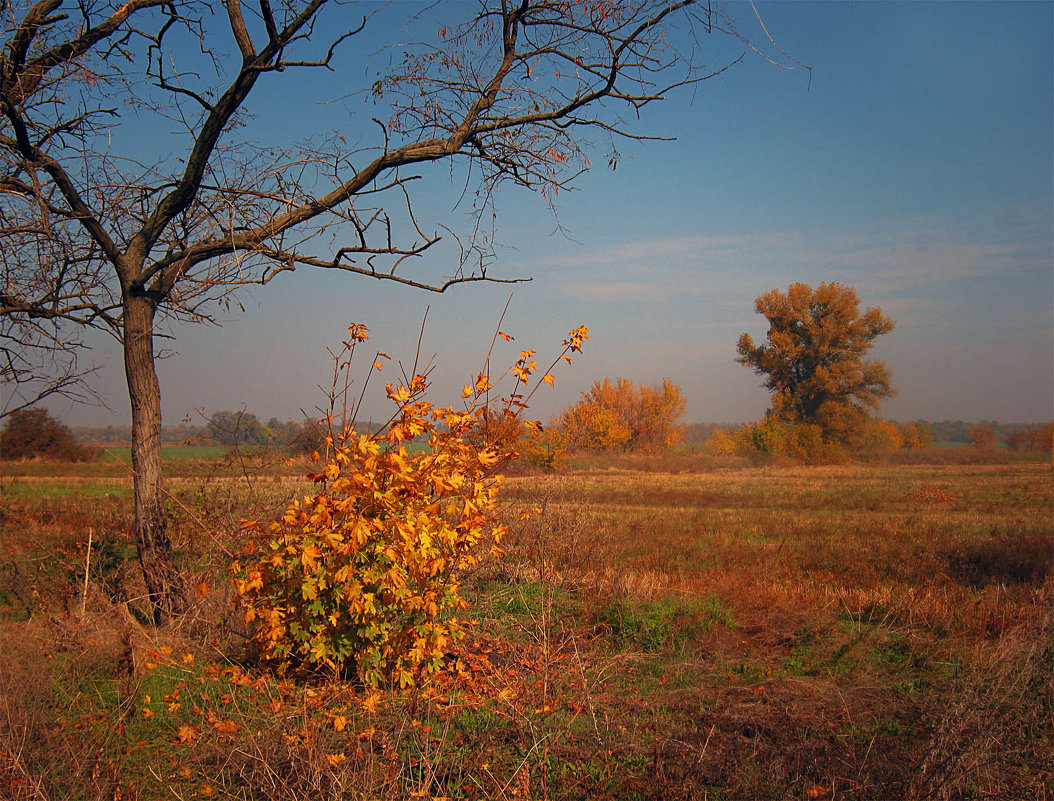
<point>1006,558</point>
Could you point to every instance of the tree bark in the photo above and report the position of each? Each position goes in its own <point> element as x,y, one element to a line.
<point>164,583</point>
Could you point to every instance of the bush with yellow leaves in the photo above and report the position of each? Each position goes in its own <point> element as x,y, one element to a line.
<point>362,576</point>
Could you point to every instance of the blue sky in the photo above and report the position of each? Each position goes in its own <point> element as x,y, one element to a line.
<point>914,164</point>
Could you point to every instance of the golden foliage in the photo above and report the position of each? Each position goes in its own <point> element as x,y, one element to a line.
<point>813,361</point>
<point>363,575</point>
<point>623,415</point>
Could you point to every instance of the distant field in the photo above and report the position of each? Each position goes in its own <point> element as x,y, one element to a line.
<point>171,453</point>
<point>843,632</point>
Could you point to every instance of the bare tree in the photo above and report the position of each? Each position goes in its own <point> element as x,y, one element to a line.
<point>103,228</point>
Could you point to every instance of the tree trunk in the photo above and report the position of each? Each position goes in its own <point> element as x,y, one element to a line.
<point>163,581</point>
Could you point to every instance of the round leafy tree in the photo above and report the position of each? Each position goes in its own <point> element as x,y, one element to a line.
<point>813,361</point>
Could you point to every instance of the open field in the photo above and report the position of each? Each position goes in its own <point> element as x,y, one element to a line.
<point>849,632</point>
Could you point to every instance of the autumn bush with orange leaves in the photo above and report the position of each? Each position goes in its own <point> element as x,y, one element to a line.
<point>361,577</point>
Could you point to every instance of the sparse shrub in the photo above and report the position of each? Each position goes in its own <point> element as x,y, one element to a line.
<point>308,438</point>
<point>362,577</point>
<point>31,433</point>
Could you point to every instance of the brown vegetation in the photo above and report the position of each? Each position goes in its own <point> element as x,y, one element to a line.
<point>34,433</point>
<point>842,632</point>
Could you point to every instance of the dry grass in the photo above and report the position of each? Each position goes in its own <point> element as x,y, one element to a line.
<point>850,632</point>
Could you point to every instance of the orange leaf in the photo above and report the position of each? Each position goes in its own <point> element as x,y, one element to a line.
<point>548,379</point>
<point>187,734</point>
<point>506,337</point>
<point>225,726</point>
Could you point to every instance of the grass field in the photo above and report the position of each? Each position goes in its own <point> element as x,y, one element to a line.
<point>848,632</point>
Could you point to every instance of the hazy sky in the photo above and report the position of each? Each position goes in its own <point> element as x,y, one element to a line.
<point>916,165</point>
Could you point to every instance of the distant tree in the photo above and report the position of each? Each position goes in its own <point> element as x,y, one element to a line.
<point>238,429</point>
<point>307,439</point>
<point>916,435</point>
<point>1032,438</point>
<point>623,415</point>
<point>1045,437</point>
<point>1020,440</point>
<point>983,436</point>
<point>813,361</point>
<point>34,432</point>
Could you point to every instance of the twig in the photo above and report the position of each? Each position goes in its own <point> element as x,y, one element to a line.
<point>87,564</point>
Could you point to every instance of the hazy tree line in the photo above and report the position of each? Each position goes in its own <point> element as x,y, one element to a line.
<point>30,433</point>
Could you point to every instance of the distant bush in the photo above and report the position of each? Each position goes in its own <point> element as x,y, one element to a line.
<point>983,436</point>
<point>624,416</point>
<point>31,433</point>
<point>1036,438</point>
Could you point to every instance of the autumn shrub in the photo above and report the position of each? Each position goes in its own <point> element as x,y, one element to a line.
<point>879,439</point>
<point>916,435</point>
<point>768,436</point>
<point>362,577</point>
<point>624,416</point>
<point>31,433</point>
<point>720,443</point>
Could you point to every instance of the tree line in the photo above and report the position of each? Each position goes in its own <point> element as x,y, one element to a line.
<point>825,399</point>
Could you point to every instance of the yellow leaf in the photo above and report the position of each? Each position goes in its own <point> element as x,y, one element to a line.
<point>339,722</point>
<point>335,759</point>
<point>371,702</point>
<point>187,734</point>
<point>309,556</point>
<point>548,379</point>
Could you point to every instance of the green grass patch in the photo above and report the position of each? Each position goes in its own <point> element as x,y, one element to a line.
<point>666,624</point>
<point>29,490</point>
<point>172,453</point>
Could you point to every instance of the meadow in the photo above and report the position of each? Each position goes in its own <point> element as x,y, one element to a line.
<point>677,629</point>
